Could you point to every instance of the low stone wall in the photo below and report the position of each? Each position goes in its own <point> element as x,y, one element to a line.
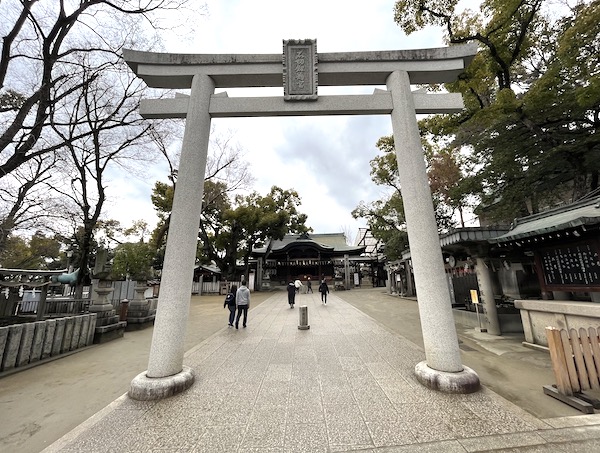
<point>22,344</point>
<point>536,315</point>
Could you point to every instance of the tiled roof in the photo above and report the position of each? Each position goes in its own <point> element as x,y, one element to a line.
<point>580,214</point>
<point>333,242</point>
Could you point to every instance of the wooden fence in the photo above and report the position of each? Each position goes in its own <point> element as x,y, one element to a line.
<point>575,356</point>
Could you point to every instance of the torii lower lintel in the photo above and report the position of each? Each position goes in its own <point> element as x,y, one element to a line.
<point>379,103</point>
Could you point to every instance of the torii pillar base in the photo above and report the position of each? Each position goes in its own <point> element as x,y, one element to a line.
<point>144,388</point>
<point>465,381</point>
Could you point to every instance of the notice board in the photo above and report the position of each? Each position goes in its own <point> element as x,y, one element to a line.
<point>570,267</point>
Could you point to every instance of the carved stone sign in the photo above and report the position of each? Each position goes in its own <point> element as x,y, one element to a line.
<point>300,69</point>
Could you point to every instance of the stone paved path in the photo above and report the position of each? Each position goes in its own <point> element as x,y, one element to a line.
<point>346,384</point>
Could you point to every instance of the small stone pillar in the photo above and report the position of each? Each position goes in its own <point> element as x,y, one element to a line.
<point>108,324</point>
<point>561,295</point>
<point>388,282</point>
<point>259,274</point>
<point>486,290</point>
<point>347,271</point>
<point>303,313</point>
<point>124,308</point>
<point>41,308</point>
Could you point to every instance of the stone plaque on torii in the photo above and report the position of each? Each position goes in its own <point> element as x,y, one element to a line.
<point>397,70</point>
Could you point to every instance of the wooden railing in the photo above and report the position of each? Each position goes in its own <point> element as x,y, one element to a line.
<point>575,359</point>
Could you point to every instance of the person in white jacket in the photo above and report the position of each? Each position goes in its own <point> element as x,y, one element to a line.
<point>242,300</point>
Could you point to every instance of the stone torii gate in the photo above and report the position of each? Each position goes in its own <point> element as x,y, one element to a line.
<point>300,71</point>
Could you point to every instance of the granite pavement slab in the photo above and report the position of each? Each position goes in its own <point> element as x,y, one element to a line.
<point>345,384</point>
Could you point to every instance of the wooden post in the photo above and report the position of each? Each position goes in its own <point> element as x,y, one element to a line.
<point>593,335</point>
<point>589,359</point>
<point>559,362</point>
<point>582,376</point>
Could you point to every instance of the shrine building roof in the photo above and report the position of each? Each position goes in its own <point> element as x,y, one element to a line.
<point>331,243</point>
<point>577,216</point>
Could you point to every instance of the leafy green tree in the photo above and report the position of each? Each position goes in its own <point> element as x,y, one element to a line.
<point>448,185</point>
<point>226,173</point>
<point>215,202</point>
<point>39,252</point>
<point>16,253</point>
<point>530,124</point>
<point>386,217</point>
<point>47,248</point>
<point>257,219</point>
<point>386,222</point>
<point>162,199</point>
<point>217,238</point>
<point>133,260</point>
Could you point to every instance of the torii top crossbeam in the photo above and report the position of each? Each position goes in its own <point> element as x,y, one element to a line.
<point>424,66</point>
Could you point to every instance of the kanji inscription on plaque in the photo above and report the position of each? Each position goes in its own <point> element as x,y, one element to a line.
<point>300,69</point>
<point>575,265</point>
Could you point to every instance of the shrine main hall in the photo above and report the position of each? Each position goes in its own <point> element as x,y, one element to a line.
<point>315,257</point>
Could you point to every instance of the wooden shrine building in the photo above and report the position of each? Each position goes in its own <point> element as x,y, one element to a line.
<point>300,257</point>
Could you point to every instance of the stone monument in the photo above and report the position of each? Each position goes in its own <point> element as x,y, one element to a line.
<point>108,325</point>
<point>141,311</point>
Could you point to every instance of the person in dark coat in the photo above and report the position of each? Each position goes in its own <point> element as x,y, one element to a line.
<point>230,303</point>
<point>291,290</point>
<point>323,289</point>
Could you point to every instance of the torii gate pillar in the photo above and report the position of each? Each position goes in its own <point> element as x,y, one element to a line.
<point>442,369</point>
<point>166,374</point>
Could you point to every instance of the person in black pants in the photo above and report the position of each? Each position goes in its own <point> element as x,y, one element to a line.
<point>242,300</point>
<point>309,286</point>
<point>323,289</point>
<point>230,303</point>
<point>291,289</point>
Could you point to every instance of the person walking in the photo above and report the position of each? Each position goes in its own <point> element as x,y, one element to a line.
<point>242,300</point>
<point>291,290</point>
<point>298,285</point>
<point>230,303</point>
<point>323,289</point>
<point>309,286</point>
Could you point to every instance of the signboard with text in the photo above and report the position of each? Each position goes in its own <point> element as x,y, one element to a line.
<point>575,266</point>
<point>300,69</point>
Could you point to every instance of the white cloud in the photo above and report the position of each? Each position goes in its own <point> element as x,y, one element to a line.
<point>325,159</point>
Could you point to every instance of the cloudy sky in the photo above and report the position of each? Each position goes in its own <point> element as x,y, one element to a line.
<point>325,159</point>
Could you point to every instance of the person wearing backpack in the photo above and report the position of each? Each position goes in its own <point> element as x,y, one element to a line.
<point>291,289</point>
<point>230,303</point>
